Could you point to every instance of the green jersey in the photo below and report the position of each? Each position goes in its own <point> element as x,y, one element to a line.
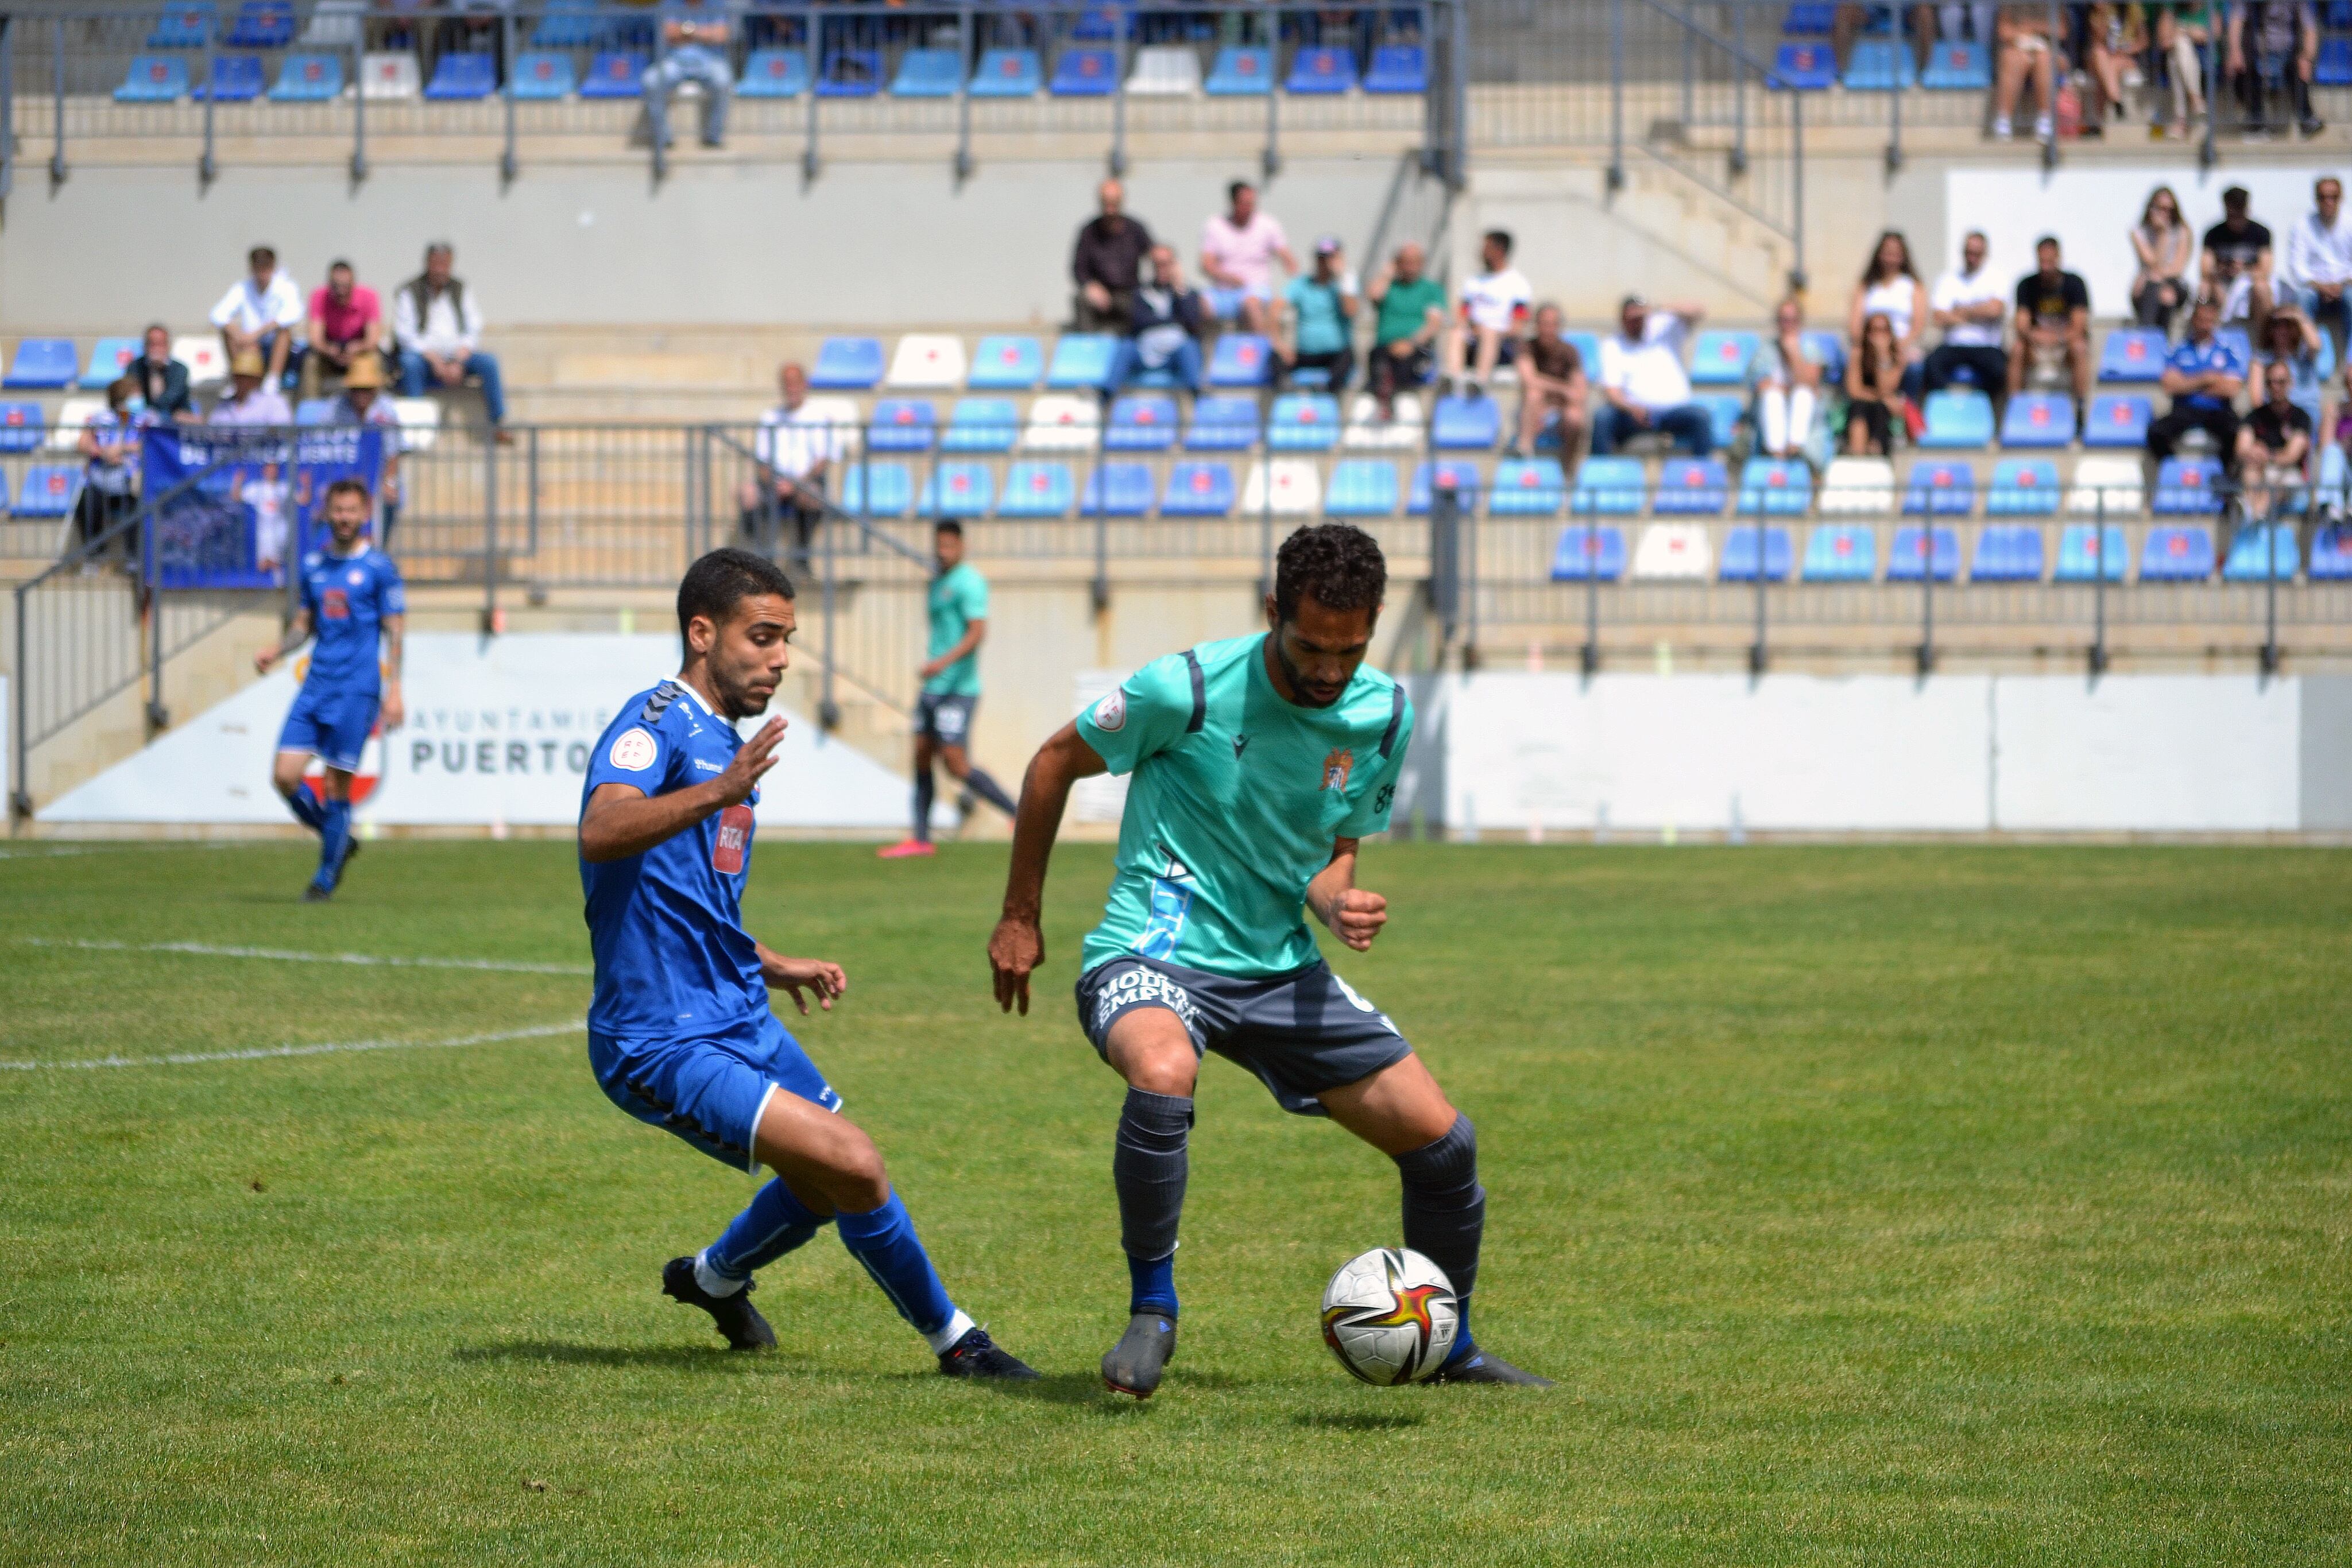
<point>1236,796</point>
<point>958,597</point>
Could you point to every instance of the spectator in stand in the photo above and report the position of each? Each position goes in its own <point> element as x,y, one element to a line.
<point>2203,378</point>
<point>2054,321</point>
<point>1644,382</point>
<point>1320,320</point>
<point>1848,22</point>
<point>1107,264</point>
<point>252,400</point>
<point>2273,447</point>
<point>2027,52</point>
<point>2112,35</point>
<point>695,35</point>
<point>362,403</point>
<point>796,447</point>
<point>2182,33</point>
<point>110,450</point>
<point>261,311</point>
<point>2164,247</point>
<point>439,327</point>
<point>2289,339</point>
<point>1551,385</point>
<point>1411,319</point>
<point>1238,252</point>
<point>1975,20</point>
<point>1890,288</point>
<point>2319,260</point>
<point>163,381</point>
<point>1494,306</point>
<point>2237,261</point>
<point>1971,309</point>
<point>1791,385</point>
<point>1164,323</point>
<point>346,322</point>
<point>1874,400</point>
<point>2274,41</point>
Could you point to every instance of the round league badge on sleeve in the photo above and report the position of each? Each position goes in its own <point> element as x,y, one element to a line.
<point>1111,714</point>
<point>634,751</point>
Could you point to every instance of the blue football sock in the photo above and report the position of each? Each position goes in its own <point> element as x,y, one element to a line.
<point>884,1241</point>
<point>1148,1166</point>
<point>305,807</point>
<point>774,1224</point>
<point>335,836</point>
<point>1152,1285</point>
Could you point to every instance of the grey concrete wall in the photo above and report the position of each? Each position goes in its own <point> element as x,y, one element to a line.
<point>2327,762</point>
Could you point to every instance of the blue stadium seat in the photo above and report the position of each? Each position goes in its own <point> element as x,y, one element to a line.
<point>615,73</point>
<point>927,73</point>
<point>2132,354</point>
<point>893,486</point>
<point>2334,67</point>
<point>569,25</point>
<point>187,26</point>
<point>1101,24</point>
<point>2038,419</point>
<point>1008,73</point>
<point>1606,486</point>
<point>903,424</point>
<point>1724,413</point>
<point>2176,552</point>
<point>312,410</point>
<point>1959,419</point>
<point>1530,487</point>
<point>1081,359</point>
<point>1831,345</point>
<point>1239,360</point>
<point>2022,487</point>
<point>1903,561</point>
<point>771,73</point>
<point>1841,553</point>
<point>1362,487</point>
<point>1037,490</point>
<point>1879,65</point>
<point>1427,477</point>
<point>847,364</point>
<point>43,364</point>
<point>1304,422</point>
<point>1130,495</point>
<point>1241,71</point>
<point>2187,487</point>
<point>1809,21</point>
<point>1959,66</point>
<point>154,78</point>
<point>2336,16</point>
<point>262,24</point>
<point>1397,68</point>
<point>1222,424</point>
<point>958,488</point>
<point>1589,552</point>
<point>1143,422</point>
<point>2331,554</point>
<point>982,425</point>
<point>1086,73</point>
<point>2118,420</point>
<point>1464,424</point>
<point>1692,488</point>
<point>1940,489</point>
<point>3,492</point>
<point>235,79</point>
<point>48,490</point>
<point>1719,359</point>
<point>1804,67</point>
<point>2260,552</point>
<point>2007,553</point>
<point>309,79</point>
<point>21,426</point>
<point>463,78</point>
<point>1739,554</point>
<point>1198,490</point>
<point>850,73</point>
<point>108,358</point>
<point>2082,547</point>
<point>2240,343</point>
<point>1775,486</point>
<point>1588,352</point>
<point>542,76</point>
<point>1006,363</point>
<point>1321,71</point>
<point>2329,489</point>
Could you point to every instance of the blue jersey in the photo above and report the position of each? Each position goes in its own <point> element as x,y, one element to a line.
<point>348,597</point>
<point>673,959</point>
<point>2194,359</point>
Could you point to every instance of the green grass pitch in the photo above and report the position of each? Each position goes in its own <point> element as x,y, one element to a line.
<point>1901,1206</point>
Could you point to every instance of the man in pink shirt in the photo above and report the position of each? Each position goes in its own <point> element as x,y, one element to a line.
<point>1238,250</point>
<point>346,322</point>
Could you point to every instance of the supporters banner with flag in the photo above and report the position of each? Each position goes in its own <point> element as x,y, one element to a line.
<point>251,488</point>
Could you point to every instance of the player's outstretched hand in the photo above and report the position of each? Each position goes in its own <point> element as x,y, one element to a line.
<point>820,978</point>
<point>756,756</point>
<point>1358,917</point>
<point>1014,952</point>
<point>263,659</point>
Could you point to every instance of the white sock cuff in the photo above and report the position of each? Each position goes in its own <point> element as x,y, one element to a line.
<point>942,1339</point>
<point>712,1282</point>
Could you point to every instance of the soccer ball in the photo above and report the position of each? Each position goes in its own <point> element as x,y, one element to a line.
<point>1390,1316</point>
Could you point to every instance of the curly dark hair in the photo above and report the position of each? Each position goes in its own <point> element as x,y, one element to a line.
<point>1339,563</point>
<point>725,578</point>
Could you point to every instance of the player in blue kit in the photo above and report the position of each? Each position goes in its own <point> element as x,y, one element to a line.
<point>1258,764</point>
<point>353,601</point>
<point>679,1033</point>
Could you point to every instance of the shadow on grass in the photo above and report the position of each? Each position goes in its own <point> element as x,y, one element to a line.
<point>677,1357</point>
<point>1332,1421</point>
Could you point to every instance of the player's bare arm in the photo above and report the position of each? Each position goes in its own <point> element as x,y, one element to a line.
<point>819,977</point>
<point>1018,945</point>
<point>298,631</point>
<point>1350,914</point>
<point>622,820</point>
<point>965,645</point>
<point>395,711</point>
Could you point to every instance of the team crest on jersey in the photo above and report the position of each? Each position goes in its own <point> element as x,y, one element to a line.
<point>1111,714</point>
<point>634,751</point>
<point>1336,769</point>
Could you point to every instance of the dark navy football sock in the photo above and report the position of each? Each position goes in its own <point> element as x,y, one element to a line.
<point>1446,1212</point>
<point>306,810</point>
<point>1149,1166</point>
<point>884,1241</point>
<point>335,836</point>
<point>978,782</point>
<point>774,1224</point>
<point>924,794</point>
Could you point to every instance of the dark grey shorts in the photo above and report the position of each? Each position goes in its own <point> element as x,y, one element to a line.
<point>1302,1033</point>
<point>946,719</point>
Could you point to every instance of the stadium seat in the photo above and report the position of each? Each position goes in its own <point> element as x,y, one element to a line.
<point>1085,73</point>
<point>1239,360</point>
<point>1739,554</point>
<point>1081,359</point>
<point>1720,359</point>
<point>2334,67</point>
<point>850,73</point>
<point>1606,486</point>
<point>1903,555</point>
<point>1198,490</point>
<point>1879,65</point>
<point>2187,487</point>
<point>2038,419</point>
<point>1222,424</point>
<point>48,490</point>
<point>1692,486</point>
<point>420,422</point>
<point>1367,432</point>
<point>2118,420</point>
<point>1102,24</point>
<point>73,414</point>
<point>1321,71</point>
<point>309,79</point>
<point>1011,363</point>
<point>389,78</point>
<point>617,74</point>
<point>1128,495</point>
<point>1304,422</point>
<point>902,425</point>
<point>184,26</point>
<point>1831,346</point>
<point>927,361</point>
<point>2022,487</point>
<point>462,78</point>
<point>20,425</point>
<point>2176,552</point>
<point>2108,484</point>
<point>1959,66</point>
<point>1526,486</point>
<point>1035,489</point>
<point>847,364</point>
<point>928,73</point>
<point>2007,553</point>
<point>201,352</point>
<point>1724,413</point>
<point>1283,488</point>
<point>1959,419</point>
<point>262,24</point>
<point>313,411</point>
<point>892,484</point>
<point>569,25</point>
<point>1841,553</point>
<point>1363,487</point>
<point>1143,422</point>
<point>2240,343</point>
<point>2331,554</point>
<point>543,76</point>
<point>1775,486</point>
<point>1464,424</point>
<point>43,364</point>
<point>1062,424</point>
<point>769,73</point>
<point>2260,552</point>
<point>1589,552</point>
<point>2132,354</point>
<point>1809,21</point>
<point>1673,552</point>
<point>1008,73</point>
<point>1398,68</point>
<point>235,79</point>
<point>1242,71</point>
<point>1804,67</point>
<point>2329,489</point>
<point>958,488</point>
<point>1940,489</point>
<point>1164,71</point>
<point>1461,476</point>
<point>1858,486</point>
<point>982,425</point>
<point>154,78</point>
<point>108,358</point>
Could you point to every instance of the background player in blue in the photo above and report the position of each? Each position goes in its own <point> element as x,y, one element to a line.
<point>352,599</point>
<point>958,609</point>
<point>1259,763</point>
<point>679,1033</point>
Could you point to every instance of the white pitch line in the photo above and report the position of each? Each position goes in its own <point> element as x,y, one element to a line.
<point>206,950</point>
<point>263,1052</point>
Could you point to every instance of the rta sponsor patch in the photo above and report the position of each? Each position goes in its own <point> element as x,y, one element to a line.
<point>634,751</point>
<point>734,838</point>
<point>1111,714</point>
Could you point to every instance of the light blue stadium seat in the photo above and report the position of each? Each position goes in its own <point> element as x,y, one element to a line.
<point>187,26</point>
<point>1739,554</point>
<point>2261,550</point>
<point>154,78</point>
<point>773,73</point>
<point>543,76</point>
<point>1198,490</point>
<point>903,424</point>
<point>1879,65</point>
<point>1241,71</point>
<point>463,78</point>
<point>309,79</point>
<point>1086,73</point>
<point>3,492</point>
<point>568,25</point>
<point>2082,547</point>
<point>1081,359</point>
<point>2022,487</point>
<point>1959,419</point>
<point>1008,73</point>
<point>1724,413</point>
<point>2118,420</point>
<point>1321,71</point>
<point>1529,487</point>
<point>2331,554</point>
<point>1130,495</point>
<point>615,73</point>
<point>2240,343</point>
<point>1588,551</point>
<point>1902,554</point>
<point>1222,424</point>
<point>262,24</point>
<point>108,358</point>
<point>1397,68</point>
<point>927,73</point>
<point>2334,67</point>
<point>1959,66</point>
<point>313,411</point>
<point>1007,363</point>
<point>958,488</point>
<point>892,484</point>
<point>48,490</point>
<point>1143,422</point>
<point>1304,422</point>
<point>1239,360</point>
<point>1941,489</point>
<point>2007,553</point>
<point>1362,487</point>
<point>1692,488</point>
<point>847,364</point>
<point>1037,490</point>
<point>1427,477</point>
<point>2038,419</point>
<point>1720,359</point>
<point>1605,486</point>
<point>1831,347</point>
<point>1804,67</point>
<point>1464,424</point>
<point>1588,352</point>
<point>850,73</point>
<point>982,425</point>
<point>43,364</point>
<point>2132,354</point>
<point>1775,486</point>
<point>2176,552</point>
<point>21,426</point>
<point>1809,21</point>
<point>2329,489</point>
<point>2187,487</point>
<point>1841,553</point>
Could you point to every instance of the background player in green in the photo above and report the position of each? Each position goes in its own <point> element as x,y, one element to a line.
<point>950,676</point>
<point>1258,764</point>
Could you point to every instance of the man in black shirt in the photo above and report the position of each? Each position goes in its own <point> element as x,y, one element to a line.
<point>1107,264</point>
<point>2053,319</point>
<point>2273,444</point>
<point>2237,258</point>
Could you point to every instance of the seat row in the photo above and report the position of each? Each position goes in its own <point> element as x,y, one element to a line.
<point>1885,63</point>
<point>23,427</point>
<point>45,491</point>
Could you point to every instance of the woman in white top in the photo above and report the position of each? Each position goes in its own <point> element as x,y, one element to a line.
<point>1890,288</point>
<point>2165,248</point>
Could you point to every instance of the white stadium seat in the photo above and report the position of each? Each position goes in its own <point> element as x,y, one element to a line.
<point>1673,552</point>
<point>420,422</point>
<point>1165,70</point>
<point>389,77</point>
<point>1366,433</point>
<point>928,361</point>
<point>334,25</point>
<point>2119,479</point>
<point>1858,487</point>
<point>201,352</point>
<point>1298,488</point>
<point>1058,422</point>
<point>65,436</point>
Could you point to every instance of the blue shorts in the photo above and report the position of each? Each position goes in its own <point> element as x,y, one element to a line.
<point>332,726</point>
<point>711,1090</point>
<point>1226,304</point>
